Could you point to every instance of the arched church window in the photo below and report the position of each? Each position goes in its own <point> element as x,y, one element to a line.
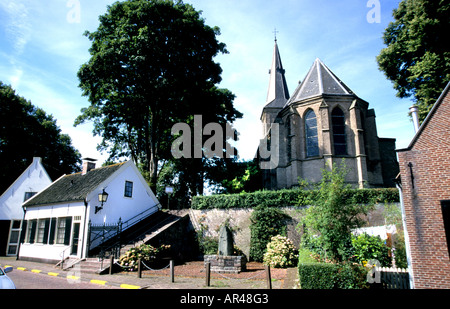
<point>312,140</point>
<point>339,137</point>
<point>289,138</point>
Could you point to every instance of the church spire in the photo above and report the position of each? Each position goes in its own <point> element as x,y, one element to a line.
<point>278,93</point>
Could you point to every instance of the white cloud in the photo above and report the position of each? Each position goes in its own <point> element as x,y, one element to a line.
<point>16,24</point>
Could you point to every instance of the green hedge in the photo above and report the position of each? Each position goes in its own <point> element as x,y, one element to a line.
<point>332,276</point>
<point>286,197</point>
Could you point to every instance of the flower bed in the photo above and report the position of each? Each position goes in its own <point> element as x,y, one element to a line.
<point>147,254</point>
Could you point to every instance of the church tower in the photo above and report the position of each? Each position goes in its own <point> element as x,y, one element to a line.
<point>323,123</point>
<point>277,94</point>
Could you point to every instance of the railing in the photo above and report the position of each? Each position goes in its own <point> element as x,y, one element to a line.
<point>61,263</point>
<point>139,217</point>
<point>101,233</point>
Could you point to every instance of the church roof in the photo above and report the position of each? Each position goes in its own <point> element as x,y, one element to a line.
<point>319,80</point>
<point>278,93</point>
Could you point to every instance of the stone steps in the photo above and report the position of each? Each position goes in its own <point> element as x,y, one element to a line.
<point>89,265</point>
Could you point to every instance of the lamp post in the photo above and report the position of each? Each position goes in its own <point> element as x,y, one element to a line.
<point>102,198</point>
<point>169,190</point>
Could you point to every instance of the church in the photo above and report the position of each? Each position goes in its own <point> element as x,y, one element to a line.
<point>322,123</point>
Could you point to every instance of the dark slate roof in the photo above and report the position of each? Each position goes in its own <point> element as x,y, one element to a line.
<point>74,187</point>
<point>319,80</point>
<point>278,93</point>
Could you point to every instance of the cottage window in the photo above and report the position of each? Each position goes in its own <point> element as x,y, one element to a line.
<point>339,137</point>
<point>128,189</point>
<point>42,231</point>
<point>60,231</point>
<point>312,140</point>
<point>63,230</point>
<point>28,195</point>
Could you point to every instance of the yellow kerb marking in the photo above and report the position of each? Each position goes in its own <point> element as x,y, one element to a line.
<point>129,286</point>
<point>37,271</point>
<point>95,281</point>
<point>53,274</point>
<point>21,268</point>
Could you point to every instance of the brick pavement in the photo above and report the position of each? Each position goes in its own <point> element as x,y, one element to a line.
<point>153,281</point>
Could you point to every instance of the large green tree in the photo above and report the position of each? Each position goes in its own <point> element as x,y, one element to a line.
<point>417,56</point>
<point>151,66</point>
<point>26,132</point>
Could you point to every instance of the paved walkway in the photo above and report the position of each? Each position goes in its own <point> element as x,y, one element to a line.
<point>131,281</point>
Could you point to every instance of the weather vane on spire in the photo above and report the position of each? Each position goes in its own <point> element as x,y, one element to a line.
<point>275,33</point>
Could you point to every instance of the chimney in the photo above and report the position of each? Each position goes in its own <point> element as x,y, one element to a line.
<point>88,164</point>
<point>415,116</point>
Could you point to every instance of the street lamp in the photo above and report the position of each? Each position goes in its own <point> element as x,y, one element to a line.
<point>102,198</point>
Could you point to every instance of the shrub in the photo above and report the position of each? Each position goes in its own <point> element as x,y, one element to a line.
<point>333,214</point>
<point>316,275</point>
<point>208,245</point>
<point>305,256</point>
<point>265,223</point>
<point>366,247</point>
<point>332,276</point>
<point>146,253</point>
<point>280,253</point>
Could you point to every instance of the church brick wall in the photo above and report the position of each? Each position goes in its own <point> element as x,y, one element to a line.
<point>425,178</point>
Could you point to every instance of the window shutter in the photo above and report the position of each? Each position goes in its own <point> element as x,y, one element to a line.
<point>51,236</point>
<point>33,231</point>
<point>67,231</point>
<point>46,227</point>
<point>24,231</point>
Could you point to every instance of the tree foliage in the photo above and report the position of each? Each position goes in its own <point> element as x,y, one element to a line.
<point>27,131</point>
<point>233,176</point>
<point>331,217</point>
<point>151,67</point>
<point>417,56</point>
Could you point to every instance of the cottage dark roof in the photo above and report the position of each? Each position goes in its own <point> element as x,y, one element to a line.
<point>74,187</point>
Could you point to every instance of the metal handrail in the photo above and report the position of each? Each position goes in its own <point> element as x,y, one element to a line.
<point>127,223</point>
<point>61,254</point>
<point>116,230</point>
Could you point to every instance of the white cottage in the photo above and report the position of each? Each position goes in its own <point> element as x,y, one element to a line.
<point>30,182</point>
<point>58,219</point>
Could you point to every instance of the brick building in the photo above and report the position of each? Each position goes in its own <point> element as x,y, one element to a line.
<point>425,187</point>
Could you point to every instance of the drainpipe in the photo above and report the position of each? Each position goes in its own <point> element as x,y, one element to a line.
<point>84,230</point>
<point>21,232</point>
<point>407,248</point>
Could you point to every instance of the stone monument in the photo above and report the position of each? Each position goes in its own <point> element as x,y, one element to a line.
<point>225,241</point>
<point>225,261</point>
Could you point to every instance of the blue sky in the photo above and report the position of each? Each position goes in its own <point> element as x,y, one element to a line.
<point>42,47</point>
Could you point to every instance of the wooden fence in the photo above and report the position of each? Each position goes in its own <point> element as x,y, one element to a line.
<point>393,278</point>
